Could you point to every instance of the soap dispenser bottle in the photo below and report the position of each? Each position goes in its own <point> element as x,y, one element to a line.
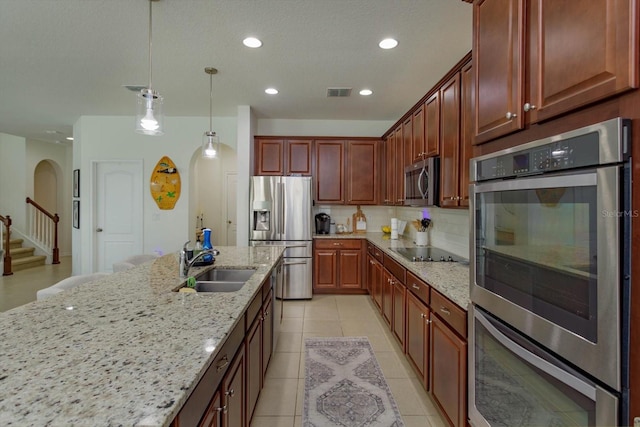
<point>206,244</point>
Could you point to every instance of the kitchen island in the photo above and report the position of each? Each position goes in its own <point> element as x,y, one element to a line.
<point>124,350</point>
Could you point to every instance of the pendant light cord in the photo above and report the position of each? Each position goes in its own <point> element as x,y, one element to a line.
<point>150,63</point>
<point>210,102</point>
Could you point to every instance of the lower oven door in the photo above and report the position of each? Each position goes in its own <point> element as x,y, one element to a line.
<point>514,382</point>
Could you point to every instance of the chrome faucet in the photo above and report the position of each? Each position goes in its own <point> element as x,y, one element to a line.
<point>186,264</point>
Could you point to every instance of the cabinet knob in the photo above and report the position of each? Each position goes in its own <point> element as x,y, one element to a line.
<point>230,393</point>
<point>528,107</point>
<point>510,115</point>
<point>428,321</point>
<point>422,315</point>
<point>222,409</point>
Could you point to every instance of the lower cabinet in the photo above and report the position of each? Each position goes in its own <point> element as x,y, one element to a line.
<point>338,266</point>
<point>233,393</point>
<point>399,304</point>
<point>213,416</point>
<point>417,345</point>
<point>375,278</point>
<point>253,344</point>
<point>387,297</point>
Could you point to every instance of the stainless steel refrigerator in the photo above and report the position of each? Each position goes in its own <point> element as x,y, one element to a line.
<point>280,214</point>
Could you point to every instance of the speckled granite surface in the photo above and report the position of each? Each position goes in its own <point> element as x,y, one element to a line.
<point>129,352</point>
<point>450,279</point>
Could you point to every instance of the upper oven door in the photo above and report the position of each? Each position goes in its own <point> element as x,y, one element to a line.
<point>545,258</point>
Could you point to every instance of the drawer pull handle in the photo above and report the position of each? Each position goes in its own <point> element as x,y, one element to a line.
<point>337,244</point>
<point>222,364</point>
<point>415,286</point>
<point>445,311</point>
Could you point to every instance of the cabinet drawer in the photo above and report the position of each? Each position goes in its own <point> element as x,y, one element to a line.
<point>418,287</point>
<point>395,268</point>
<point>449,312</point>
<point>375,252</point>
<point>338,243</point>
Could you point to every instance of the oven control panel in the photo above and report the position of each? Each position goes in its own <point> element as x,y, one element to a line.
<point>555,156</point>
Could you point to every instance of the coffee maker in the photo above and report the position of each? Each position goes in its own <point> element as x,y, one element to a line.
<point>323,222</point>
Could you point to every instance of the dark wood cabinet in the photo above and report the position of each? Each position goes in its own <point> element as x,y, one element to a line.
<point>407,143</point>
<point>363,172</point>
<point>213,416</point>
<point>398,320</point>
<point>375,278</point>
<point>399,170</point>
<point>233,393</point>
<point>283,156</point>
<point>417,344</point>
<point>535,59</point>
<point>329,178</point>
<point>432,125</point>
<point>450,141</point>
<point>387,297</point>
<point>338,266</point>
<point>466,131</point>
<point>418,144</point>
<point>389,174</point>
<point>253,344</point>
<point>267,334</point>
<point>448,372</point>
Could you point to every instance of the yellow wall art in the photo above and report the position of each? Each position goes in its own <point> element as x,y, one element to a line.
<point>165,184</point>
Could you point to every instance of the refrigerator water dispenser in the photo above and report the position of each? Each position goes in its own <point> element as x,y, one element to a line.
<point>261,220</point>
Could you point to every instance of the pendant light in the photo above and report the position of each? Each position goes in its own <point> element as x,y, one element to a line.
<point>210,141</point>
<point>149,118</point>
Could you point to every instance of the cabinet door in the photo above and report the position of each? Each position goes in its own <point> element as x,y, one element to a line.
<point>579,52</point>
<point>362,172</point>
<point>407,136</point>
<point>390,170</point>
<point>376,278</point>
<point>269,156</point>
<point>399,158</point>
<point>387,297</point>
<point>419,150</point>
<point>398,324</point>
<point>350,268</point>
<point>254,370</point>
<point>498,63</point>
<point>325,269</point>
<point>330,172</point>
<point>417,345</point>
<point>450,143</point>
<point>448,384</point>
<point>267,335</point>
<point>213,416</point>
<point>432,125</point>
<point>234,392</point>
<point>298,157</point>
<point>466,130</point>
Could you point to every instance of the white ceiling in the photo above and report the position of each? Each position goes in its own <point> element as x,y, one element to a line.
<point>60,59</point>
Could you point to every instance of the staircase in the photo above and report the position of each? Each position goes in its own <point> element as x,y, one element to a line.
<point>23,258</point>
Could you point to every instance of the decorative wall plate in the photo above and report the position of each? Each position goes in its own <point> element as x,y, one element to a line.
<point>165,184</point>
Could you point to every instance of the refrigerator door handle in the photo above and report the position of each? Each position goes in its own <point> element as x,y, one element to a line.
<point>295,263</point>
<point>281,204</point>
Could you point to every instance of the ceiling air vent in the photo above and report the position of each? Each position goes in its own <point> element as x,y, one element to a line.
<point>338,92</point>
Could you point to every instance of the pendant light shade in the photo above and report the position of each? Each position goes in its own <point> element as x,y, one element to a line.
<point>210,141</point>
<point>149,117</point>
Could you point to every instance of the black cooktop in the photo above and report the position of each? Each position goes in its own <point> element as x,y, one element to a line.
<point>427,254</point>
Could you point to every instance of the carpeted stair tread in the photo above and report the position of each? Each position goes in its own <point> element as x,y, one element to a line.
<point>17,253</point>
<point>27,262</point>
<point>15,243</point>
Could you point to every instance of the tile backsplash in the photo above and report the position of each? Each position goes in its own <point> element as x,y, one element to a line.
<point>449,229</point>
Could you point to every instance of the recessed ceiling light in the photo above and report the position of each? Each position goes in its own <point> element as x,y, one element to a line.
<point>388,43</point>
<point>252,42</point>
<point>271,91</point>
<point>366,92</point>
<point>69,138</point>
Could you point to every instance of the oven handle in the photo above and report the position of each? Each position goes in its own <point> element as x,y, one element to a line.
<point>571,381</point>
<point>585,179</point>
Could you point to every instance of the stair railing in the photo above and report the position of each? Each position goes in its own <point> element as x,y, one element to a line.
<point>5,243</point>
<point>43,228</point>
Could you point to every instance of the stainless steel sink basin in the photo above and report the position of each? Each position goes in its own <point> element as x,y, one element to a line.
<point>226,275</point>
<point>218,286</point>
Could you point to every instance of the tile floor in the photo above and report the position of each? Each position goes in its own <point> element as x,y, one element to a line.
<point>281,400</point>
<point>21,287</point>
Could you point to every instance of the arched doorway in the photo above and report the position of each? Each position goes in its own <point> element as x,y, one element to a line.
<point>213,196</point>
<point>49,192</point>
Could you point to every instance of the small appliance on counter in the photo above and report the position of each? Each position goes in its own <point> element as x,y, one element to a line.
<point>323,223</point>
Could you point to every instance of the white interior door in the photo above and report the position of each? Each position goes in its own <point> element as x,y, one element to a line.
<point>231,197</point>
<point>118,218</point>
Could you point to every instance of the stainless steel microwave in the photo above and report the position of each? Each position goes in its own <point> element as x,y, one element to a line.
<point>422,182</point>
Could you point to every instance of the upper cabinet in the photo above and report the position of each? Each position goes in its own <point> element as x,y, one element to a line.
<point>432,125</point>
<point>450,141</point>
<point>329,179</point>
<point>537,59</point>
<point>362,172</point>
<point>283,157</point>
<point>419,150</point>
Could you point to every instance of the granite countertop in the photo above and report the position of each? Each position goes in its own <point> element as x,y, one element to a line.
<point>130,352</point>
<point>450,279</point>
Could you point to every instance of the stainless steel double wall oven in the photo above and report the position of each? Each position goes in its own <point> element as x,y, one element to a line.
<point>550,280</point>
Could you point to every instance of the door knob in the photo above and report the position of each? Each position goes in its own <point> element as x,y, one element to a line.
<point>228,222</point>
<point>98,230</point>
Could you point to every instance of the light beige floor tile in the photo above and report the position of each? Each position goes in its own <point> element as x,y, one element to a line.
<point>278,397</point>
<point>321,300</point>
<point>330,327</point>
<point>427,403</point>
<point>272,422</point>
<point>361,327</point>
<point>404,394</point>
<point>380,343</point>
<point>392,365</point>
<point>321,312</point>
<point>297,422</point>
<point>437,421</point>
<point>289,342</point>
<point>301,371</point>
<point>284,365</point>
<point>332,333</point>
<point>300,397</point>
<point>291,324</point>
<point>415,421</point>
<point>293,309</point>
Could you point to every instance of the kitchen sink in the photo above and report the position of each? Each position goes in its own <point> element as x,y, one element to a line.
<point>226,275</point>
<point>218,286</point>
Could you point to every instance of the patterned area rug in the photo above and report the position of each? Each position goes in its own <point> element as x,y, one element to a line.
<point>344,385</point>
